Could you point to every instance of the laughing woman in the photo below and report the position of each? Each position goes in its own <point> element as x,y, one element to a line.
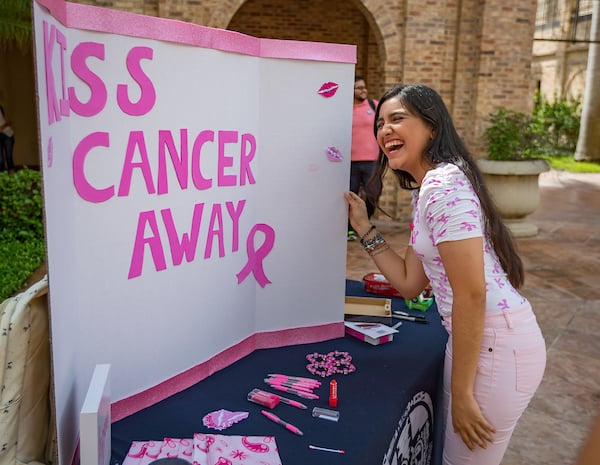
<point>495,355</point>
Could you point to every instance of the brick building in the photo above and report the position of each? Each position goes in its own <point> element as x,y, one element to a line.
<point>560,51</point>
<point>476,53</point>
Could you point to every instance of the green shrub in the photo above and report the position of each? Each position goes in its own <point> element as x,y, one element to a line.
<point>21,206</point>
<point>556,124</point>
<point>19,261</point>
<point>551,129</point>
<point>22,248</point>
<point>510,137</point>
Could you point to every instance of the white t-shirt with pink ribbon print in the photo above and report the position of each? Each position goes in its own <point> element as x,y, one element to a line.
<point>446,208</point>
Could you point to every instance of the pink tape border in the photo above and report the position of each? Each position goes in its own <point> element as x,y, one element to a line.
<point>99,19</point>
<point>130,405</point>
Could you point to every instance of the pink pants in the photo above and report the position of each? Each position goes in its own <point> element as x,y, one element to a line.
<point>512,360</point>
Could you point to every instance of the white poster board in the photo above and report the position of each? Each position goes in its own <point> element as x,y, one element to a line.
<point>94,419</point>
<point>193,188</point>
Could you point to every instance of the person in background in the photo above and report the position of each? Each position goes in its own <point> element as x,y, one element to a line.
<point>495,355</point>
<point>7,142</point>
<point>364,149</point>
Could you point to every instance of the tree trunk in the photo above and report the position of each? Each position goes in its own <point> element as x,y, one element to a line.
<point>588,144</point>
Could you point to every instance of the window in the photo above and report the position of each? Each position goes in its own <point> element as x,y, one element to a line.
<point>554,22</point>
<point>581,22</point>
<point>547,18</point>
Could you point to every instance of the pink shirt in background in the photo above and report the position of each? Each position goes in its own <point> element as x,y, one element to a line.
<point>364,145</point>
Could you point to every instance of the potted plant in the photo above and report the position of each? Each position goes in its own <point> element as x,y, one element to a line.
<point>512,168</point>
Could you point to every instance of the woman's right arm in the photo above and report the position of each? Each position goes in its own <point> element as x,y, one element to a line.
<point>406,273</point>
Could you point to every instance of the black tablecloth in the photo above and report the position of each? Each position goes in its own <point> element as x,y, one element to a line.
<point>372,401</point>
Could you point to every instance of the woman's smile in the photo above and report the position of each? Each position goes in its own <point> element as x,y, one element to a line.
<point>403,137</point>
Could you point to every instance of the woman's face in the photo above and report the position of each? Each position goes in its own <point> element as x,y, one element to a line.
<point>403,137</point>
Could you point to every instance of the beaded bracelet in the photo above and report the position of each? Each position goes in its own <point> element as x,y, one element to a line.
<point>329,364</point>
<point>379,250</point>
<point>371,244</point>
<point>362,238</point>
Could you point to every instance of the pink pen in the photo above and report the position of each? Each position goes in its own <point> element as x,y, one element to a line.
<point>306,395</point>
<point>310,381</point>
<point>293,386</point>
<point>301,384</point>
<point>278,420</point>
<point>293,403</point>
<point>294,379</point>
<point>290,381</point>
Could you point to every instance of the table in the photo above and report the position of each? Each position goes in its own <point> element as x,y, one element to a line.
<point>388,408</point>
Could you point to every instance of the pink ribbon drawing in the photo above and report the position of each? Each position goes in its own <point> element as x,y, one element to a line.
<point>256,257</point>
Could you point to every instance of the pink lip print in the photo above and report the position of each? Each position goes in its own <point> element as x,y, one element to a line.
<point>333,154</point>
<point>328,89</point>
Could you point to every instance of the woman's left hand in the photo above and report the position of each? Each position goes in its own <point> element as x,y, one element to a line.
<point>468,421</point>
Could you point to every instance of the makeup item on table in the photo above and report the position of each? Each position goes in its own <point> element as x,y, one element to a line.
<point>263,398</point>
<point>299,387</point>
<point>281,422</point>
<point>333,395</point>
<point>303,384</point>
<point>408,317</point>
<point>293,403</point>
<point>302,387</point>
<point>400,313</point>
<point>308,381</point>
<point>303,394</point>
<point>270,400</point>
<point>411,318</point>
<point>325,414</point>
<point>397,325</point>
<point>326,449</point>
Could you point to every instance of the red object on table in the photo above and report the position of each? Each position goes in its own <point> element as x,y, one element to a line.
<point>333,397</point>
<point>376,283</point>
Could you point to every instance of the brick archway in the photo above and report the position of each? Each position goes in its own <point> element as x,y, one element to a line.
<point>389,39</point>
<point>367,23</point>
<point>380,51</point>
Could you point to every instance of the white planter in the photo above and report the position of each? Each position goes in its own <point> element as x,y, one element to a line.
<point>515,190</point>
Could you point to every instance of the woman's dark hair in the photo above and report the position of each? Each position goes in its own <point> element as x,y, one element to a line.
<point>447,146</point>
